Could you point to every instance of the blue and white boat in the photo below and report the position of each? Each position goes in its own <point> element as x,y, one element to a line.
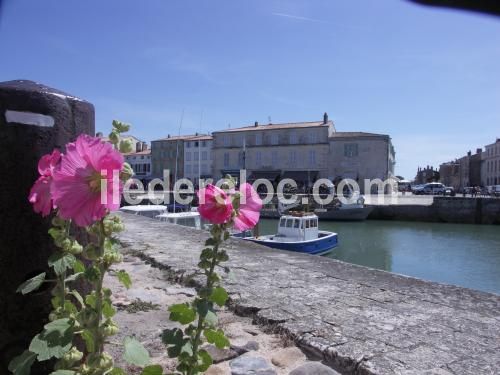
<point>299,232</point>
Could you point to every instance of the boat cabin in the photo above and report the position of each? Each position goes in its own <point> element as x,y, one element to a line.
<point>187,219</point>
<point>303,227</point>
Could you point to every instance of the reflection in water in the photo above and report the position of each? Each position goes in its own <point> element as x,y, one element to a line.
<point>460,254</point>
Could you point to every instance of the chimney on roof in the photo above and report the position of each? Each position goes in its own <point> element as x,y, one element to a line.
<point>138,147</point>
<point>98,135</point>
<point>479,150</point>
<point>144,146</point>
<point>325,118</point>
<point>256,124</point>
<point>469,153</point>
<point>196,133</point>
<point>168,135</point>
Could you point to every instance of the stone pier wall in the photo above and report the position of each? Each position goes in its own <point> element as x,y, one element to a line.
<point>444,209</point>
<point>355,319</point>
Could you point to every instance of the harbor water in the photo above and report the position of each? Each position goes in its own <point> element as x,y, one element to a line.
<point>460,254</point>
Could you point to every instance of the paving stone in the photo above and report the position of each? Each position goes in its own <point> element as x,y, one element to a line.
<point>287,357</point>
<point>313,368</point>
<point>248,365</point>
<point>220,355</point>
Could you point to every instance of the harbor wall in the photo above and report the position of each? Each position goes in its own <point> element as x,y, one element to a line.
<point>443,209</point>
<point>354,319</point>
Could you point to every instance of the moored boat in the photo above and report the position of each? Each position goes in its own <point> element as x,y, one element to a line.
<point>299,232</point>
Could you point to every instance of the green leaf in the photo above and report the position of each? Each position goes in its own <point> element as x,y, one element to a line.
<point>61,262</point>
<point>182,313</point>
<point>92,274</point>
<point>91,300</point>
<point>59,326</point>
<point>204,360</point>
<point>216,337</point>
<point>174,340</point>
<point>73,277</point>
<point>46,348</point>
<point>63,372</point>
<point>219,296</point>
<point>21,365</point>
<point>152,370</point>
<point>31,284</point>
<point>211,319</point>
<point>78,297</point>
<point>88,337</point>
<point>210,242</point>
<point>124,278</point>
<point>135,353</point>
<point>108,310</point>
<point>226,235</point>
<point>79,266</point>
<point>187,348</point>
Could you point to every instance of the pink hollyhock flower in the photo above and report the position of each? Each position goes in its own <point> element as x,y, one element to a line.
<point>250,206</point>
<point>76,187</point>
<point>39,195</point>
<point>215,205</point>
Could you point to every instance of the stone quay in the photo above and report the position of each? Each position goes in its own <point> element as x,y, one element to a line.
<point>354,319</point>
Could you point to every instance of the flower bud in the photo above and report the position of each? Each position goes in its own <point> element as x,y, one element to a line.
<point>126,172</point>
<point>76,248</point>
<point>114,137</point>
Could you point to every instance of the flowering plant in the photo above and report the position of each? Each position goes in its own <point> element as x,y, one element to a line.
<point>225,208</point>
<point>82,187</point>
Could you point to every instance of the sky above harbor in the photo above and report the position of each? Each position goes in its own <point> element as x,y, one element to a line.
<point>428,77</point>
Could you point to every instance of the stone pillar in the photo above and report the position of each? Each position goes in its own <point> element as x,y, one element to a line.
<point>34,119</point>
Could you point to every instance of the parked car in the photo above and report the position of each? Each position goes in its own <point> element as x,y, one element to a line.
<point>434,188</point>
<point>449,190</point>
<point>417,189</point>
<point>494,190</point>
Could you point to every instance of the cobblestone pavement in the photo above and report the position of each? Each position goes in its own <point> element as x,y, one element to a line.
<point>358,320</point>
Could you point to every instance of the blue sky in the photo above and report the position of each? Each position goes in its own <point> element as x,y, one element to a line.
<point>428,77</point>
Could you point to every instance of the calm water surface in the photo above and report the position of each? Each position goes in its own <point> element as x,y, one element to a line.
<point>459,254</point>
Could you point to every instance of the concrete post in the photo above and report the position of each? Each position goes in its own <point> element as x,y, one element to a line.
<point>34,119</point>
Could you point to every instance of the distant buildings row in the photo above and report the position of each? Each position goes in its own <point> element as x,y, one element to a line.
<point>303,151</point>
<point>479,169</point>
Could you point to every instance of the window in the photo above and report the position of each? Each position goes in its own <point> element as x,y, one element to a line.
<point>196,155</point>
<point>282,222</point>
<point>313,137</point>
<point>226,140</point>
<point>188,144</point>
<point>196,144</point>
<point>293,138</point>
<point>258,159</point>
<point>296,223</point>
<point>188,169</point>
<point>292,158</point>
<point>350,150</point>
<point>226,159</point>
<point>203,143</point>
<point>312,157</point>
<point>274,158</point>
<point>258,139</point>
<point>274,138</point>
<point>188,156</point>
<point>204,155</point>
<point>289,223</point>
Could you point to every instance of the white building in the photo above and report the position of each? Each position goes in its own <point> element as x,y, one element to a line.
<point>140,161</point>
<point>198,158</point>
<point>490,169</point>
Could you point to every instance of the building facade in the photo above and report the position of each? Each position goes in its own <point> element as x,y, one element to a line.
<point>140,161</point>
<point>490,168</point>
<point>198,158</point>
<point>360,156</point>
<point>292,150</point>
<point>425,175</point>
<point>449,174</point>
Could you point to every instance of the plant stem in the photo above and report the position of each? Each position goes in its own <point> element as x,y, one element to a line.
<point>201,319</point>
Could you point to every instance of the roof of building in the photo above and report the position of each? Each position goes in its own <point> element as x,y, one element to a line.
<point>289,125</point>
<point>185,137</point>
<point>356,134</point>
<point>145,152</point>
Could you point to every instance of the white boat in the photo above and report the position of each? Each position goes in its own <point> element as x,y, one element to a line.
<point>187,219</point>
<point>299,232</point>
<point>149,210</point>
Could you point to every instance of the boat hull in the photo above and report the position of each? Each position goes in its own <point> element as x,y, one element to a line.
<point>320,246</point>
<point>348,214</point>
